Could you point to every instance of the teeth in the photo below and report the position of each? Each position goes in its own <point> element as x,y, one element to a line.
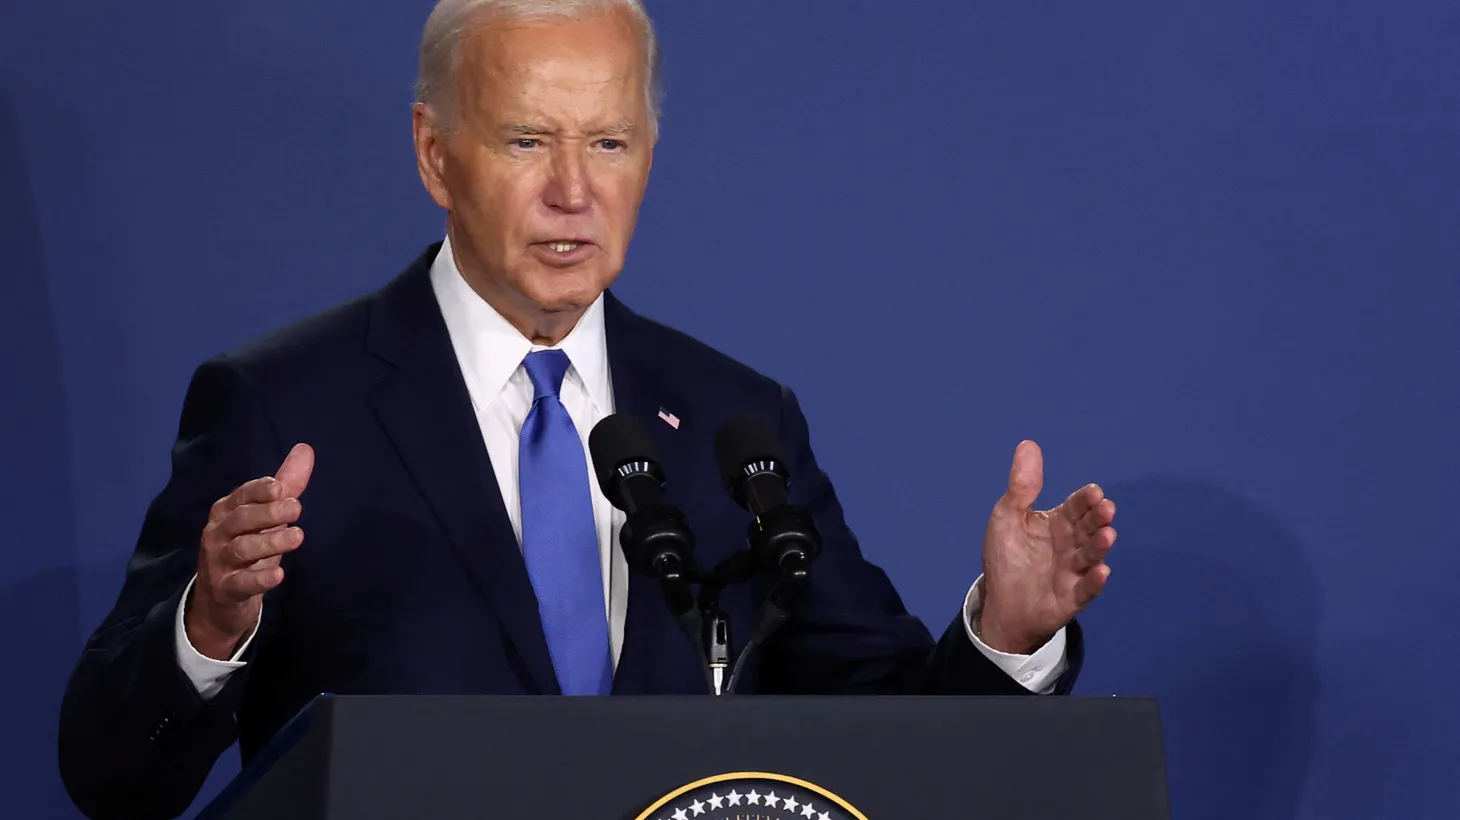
<point>563,247</point>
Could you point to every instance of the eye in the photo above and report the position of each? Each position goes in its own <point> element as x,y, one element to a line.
<point>611,145</point>
<point>525,143</point>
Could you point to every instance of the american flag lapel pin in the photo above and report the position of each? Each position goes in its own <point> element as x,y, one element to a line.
<point>669,418</point>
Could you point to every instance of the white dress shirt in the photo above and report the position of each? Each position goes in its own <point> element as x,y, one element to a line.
<point>490,351</point>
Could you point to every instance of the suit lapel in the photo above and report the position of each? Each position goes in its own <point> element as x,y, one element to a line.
<point>641,388</point>
<point>427,413</point>
<point>654,651</point>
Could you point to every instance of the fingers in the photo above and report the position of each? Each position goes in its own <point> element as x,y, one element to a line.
<point>1090,585</point>
<point>294,473</point>
<point>246,550</point>
<point>249,530</point>
<point>1026,476</point>
<point>247,534</point>
<point>1099,515</point>
<point>1095,548</point>
<point>1102,541</point>
<point>246,583</point>
<point>258,491</point>
<point>1093,535</point>
<point>1082,501</point>
<point>271,561</point>
<point>289,483</point>
<point>252,518</point>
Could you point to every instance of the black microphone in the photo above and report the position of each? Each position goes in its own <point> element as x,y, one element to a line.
<point>656,539</point>
<point>783,537</point>
<point>757,474</point>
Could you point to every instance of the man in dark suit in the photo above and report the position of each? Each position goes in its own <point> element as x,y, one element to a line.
<point>429,440</point>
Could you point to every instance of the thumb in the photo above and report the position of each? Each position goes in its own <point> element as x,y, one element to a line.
<point>1026,477</point>
<point>294,473</point>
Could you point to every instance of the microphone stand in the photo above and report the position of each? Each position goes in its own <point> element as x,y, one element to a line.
<point>701,619</point>
<point>774,612</point>
<point>784,540</point>
<point>778,547</point>
<point>642,534</point>
<point>738,567</point>
<point>675,586</point>
<point>717,642</point>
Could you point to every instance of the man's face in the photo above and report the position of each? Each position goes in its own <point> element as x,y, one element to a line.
<point>545,171</point>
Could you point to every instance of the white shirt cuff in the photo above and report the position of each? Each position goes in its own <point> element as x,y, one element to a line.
<point>208,675</point>
<point>1038,672</point>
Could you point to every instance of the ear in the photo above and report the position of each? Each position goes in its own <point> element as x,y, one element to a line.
<point>430,153</point>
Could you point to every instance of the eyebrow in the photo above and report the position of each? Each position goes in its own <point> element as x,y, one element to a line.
<point>521,129</point>
<point>525,129</point>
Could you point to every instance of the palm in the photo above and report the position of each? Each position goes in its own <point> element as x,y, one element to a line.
<point>1042,568</point>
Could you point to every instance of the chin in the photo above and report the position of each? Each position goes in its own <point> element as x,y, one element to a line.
<point>555,299</point>
<point>561,290</point>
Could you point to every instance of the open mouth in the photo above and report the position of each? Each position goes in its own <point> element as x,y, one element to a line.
<point>564,252</point>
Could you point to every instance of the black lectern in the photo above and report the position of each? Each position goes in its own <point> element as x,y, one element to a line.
<point>732,758</point>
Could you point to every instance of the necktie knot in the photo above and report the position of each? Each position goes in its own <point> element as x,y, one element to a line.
<point>546,369</point>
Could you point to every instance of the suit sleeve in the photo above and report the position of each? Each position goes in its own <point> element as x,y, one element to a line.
<point>136,738</point>
<point>851,633</point>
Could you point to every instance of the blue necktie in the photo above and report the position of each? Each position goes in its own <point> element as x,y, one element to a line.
<point>559,537</point>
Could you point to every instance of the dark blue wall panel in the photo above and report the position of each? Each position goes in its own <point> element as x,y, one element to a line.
<point>1206,254</point>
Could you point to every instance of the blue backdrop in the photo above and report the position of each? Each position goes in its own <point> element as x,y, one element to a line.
<point>1206,254</point>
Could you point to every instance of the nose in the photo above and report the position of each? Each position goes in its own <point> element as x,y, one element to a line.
<point>567,189</point>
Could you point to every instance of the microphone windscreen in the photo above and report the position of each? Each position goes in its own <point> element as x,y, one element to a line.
<point>617,439</point>
<point>740,441</point>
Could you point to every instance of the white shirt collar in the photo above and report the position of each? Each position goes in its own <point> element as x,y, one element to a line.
<point>491,349</point>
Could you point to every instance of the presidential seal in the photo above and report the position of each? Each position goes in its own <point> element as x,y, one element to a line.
<point>751,796</point>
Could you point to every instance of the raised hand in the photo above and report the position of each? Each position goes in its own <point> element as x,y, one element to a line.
<point>248,531</point>
<point>1041,568</point>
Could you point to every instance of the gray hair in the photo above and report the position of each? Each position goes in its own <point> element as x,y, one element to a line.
<point>452,20</point>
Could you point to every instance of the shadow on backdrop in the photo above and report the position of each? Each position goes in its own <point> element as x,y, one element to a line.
<point>38,589</point>
<point>1213,608</point>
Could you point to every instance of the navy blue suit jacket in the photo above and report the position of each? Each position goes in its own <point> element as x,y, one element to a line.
<point>410,579</point>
